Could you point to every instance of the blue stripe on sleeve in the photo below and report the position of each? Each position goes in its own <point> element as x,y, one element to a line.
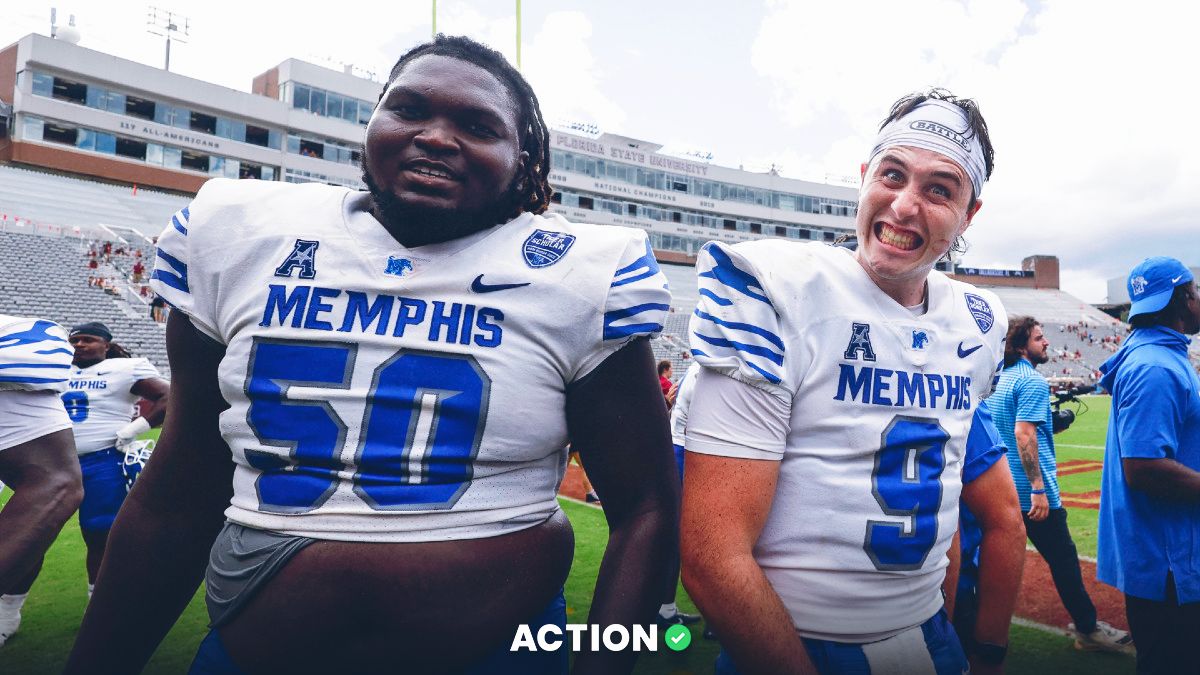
<point>773,379</point>
<point>737,325</point>
<point>177,280</point>
<point>615,332</point>
<point>645,266</point>
<point>178,225</point>
<point>34,365</point>
<point>58,350</point>
<point>756,350</point>
<point>728,274</point>
<point>615,314</point>
<point>32,380</point>
<point>724,302</point>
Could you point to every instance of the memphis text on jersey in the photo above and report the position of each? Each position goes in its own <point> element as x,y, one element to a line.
<point>897,388</point>
<point>312,308</point>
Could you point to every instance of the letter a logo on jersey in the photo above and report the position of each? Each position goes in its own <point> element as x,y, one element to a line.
<point>860,343</point>
<point>303,256</point>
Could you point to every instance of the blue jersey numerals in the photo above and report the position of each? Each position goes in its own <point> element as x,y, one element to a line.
<point>76,403</point>
<point>421,426</point>
<point>907,484</point>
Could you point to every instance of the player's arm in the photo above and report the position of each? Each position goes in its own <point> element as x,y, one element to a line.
<point>726,503</point>
<point>1150,411</point>
<point>158,547</point>
<point>156,391</point>
<point>953,570</point>
<point>44,476</point>
<point>618,423</point>
<point>992,498</point>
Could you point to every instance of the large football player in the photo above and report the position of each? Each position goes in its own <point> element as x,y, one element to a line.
<point>826,435</point>
<point>374,394</point>
<point>37,455</point>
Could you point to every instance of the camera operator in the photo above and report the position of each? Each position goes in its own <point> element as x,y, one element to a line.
<point>1021,408</point>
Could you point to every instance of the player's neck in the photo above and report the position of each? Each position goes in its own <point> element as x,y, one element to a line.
<point>85,363</point>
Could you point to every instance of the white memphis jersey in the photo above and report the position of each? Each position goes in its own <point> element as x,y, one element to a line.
<point>34,354</point>
<point>99,400</point>
<point>683,401</point>
<point>880,406</point>
<point>379,393</point>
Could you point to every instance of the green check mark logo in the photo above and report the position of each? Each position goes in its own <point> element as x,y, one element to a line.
<point>678,638</point>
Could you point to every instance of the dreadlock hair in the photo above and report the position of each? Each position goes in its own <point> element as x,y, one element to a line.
<point>116,351</point>
<point>1167,315</point>
<point>535,137</point>
<point>977,126</point>
<point>1019,330</point>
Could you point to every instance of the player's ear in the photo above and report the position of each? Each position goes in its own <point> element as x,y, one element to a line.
<point>970,216</point>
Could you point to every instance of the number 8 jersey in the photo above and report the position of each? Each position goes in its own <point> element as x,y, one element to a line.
<point>379,393</point>
<point>876,403</point>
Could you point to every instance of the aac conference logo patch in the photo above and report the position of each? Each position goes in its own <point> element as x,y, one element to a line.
<point>981,311</point>
<point>543,248</point>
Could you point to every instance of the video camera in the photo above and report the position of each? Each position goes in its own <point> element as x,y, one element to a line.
<point>1061,419</point>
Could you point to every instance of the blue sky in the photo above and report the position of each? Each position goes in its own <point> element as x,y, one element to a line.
<point>1091,104</point>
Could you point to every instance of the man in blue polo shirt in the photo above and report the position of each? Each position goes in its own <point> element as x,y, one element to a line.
<point>1149,545</point>
<point>1021,407</point>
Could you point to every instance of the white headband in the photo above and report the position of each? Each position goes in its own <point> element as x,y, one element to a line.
<point>943,128</point>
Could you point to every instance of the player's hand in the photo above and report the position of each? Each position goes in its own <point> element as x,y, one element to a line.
<point>1040,509</point>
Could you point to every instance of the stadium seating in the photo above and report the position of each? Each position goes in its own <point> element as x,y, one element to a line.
<point>43,197</point>
<point>46,277</point>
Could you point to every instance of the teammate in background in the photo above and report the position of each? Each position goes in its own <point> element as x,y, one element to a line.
<point>981,591</point>
<point>669,389</point>
<point>669,613</point>
<point>403,368</point>
<point>1149,544</point>
<point>1021,407</point>
<point>827,432</point>
<point>37,455</point>
<point>105,384</point>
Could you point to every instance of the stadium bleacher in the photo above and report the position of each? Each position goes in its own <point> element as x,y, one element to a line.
<point>42,197</point>
<point>47,277</point>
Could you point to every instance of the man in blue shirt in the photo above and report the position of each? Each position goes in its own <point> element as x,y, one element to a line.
<point>1021,406</point>
<point>1149,545</point>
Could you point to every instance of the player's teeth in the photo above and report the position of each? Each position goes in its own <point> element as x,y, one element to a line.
<point>897,238</point>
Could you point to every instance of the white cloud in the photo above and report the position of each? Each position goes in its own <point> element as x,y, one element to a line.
<point>561,67</point>
<point>1090,108</point>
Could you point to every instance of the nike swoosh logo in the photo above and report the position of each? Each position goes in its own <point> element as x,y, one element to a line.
<point>1176,279</point>
<point>478,286</point>
<point>964,353</point>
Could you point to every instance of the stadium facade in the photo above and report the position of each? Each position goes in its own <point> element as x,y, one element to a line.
<point>74,110</point>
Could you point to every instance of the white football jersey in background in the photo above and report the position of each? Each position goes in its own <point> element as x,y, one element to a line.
<point>380,393</point>
<point>877,403</point>
<point>683,401</point>
<point>35,359</point>
<point>99,401</point>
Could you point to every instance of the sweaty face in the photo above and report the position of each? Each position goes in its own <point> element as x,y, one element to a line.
<point>1038,348</point>
<point>88,349</point>
<point>442,151</point>
<point>912,205</point>
<point>1191,314</point>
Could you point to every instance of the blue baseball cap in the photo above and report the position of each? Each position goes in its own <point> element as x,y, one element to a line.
<point>1152,282</point>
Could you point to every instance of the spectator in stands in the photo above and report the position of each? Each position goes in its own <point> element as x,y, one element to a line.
<point>1021,407</point>
<point>158,309</point>
<point>37,455</point>
<point>1149,514</point>
<point>665,373</point>
<point>138,270</point>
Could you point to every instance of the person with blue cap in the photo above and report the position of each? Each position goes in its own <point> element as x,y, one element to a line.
<point>1149,539</point>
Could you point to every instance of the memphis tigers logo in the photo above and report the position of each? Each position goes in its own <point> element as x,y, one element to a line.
<point>981,311</point>
<point>544,248</point>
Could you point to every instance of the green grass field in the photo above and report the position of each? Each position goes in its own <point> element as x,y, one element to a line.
<point>56,603</point>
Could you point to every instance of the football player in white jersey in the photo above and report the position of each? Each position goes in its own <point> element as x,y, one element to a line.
<point>37,455</point>
<point>105,384</point>
<point>826,435</point>
<point>395,375</point>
